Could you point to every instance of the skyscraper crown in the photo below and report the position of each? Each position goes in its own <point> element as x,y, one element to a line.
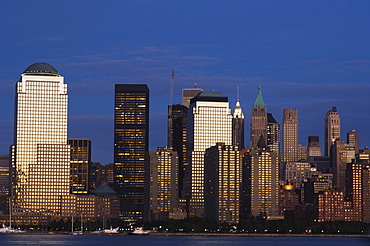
<point>259,100</point>
<point>238,113</point>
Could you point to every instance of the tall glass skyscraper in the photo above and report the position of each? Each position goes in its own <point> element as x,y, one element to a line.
<point>41,153</point>
<point>131,134</point>
<point>209,121</point>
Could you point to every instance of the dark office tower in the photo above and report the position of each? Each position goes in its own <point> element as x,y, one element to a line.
<point>177,138</point>
<point>273,134</point>
<point>238,126</point>
<point>290,135</point>
<point>352,139</point>
<point>5,183</point>
<point>331,129</point>
<point>259,120</point>
<point>131,131</point>
<point>80,165</point>
<point>314,148</point>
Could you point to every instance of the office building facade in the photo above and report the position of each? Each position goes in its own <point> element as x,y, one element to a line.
<point>41,153</point>
<point>161,195</point>
<point>80,165</point>
<point>131,134</point>
<point>222,183</point>
<point>209,121</point>
<point>260,178</point>
<point>290,135</point>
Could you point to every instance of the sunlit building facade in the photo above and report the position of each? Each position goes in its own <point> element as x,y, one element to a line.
<point>263,181</point>
<point>209,121</point>
<point>41,152</point>
<point>161,193</point>
<point>131,134</point>
<point>222,174</point>
<point>80,165</point>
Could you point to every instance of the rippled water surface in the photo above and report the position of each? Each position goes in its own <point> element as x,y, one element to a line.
<point>115,240</point>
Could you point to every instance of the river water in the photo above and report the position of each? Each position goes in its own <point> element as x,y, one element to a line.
<point>116,240</point>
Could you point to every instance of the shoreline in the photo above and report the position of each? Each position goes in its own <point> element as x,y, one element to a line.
<point>203,234</point>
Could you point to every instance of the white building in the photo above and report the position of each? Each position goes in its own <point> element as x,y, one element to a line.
<point>41,153</point>
<point>209,122</point>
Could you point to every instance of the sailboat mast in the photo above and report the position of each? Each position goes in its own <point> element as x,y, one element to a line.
<point>10,212</point>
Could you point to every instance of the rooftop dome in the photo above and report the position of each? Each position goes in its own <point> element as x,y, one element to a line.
<point>104,190</point>
<point>41,68</point>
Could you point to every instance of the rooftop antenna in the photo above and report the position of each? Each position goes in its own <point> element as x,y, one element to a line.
<point>237,94</point>
<point>172,86</point>
<point>169,140</point>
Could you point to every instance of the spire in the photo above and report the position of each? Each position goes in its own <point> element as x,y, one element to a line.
<point>259,100</point>
<point>238,113</point>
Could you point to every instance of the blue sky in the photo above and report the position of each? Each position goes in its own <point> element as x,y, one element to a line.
<point>308,55</point>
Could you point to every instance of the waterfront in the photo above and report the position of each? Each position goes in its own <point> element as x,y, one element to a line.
<point>81,240</point>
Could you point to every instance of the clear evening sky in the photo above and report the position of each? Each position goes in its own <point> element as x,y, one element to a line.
<point>308,55</point>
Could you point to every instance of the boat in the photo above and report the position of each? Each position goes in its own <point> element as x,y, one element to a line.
<point>8,229</point>
<point>107,231</point>
<point>139,231</point>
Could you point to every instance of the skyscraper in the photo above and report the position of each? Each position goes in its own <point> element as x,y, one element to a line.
<point>331,129</point>
<point>42,155</point>
<point>80,165</point>
<point>188,94</point>
<point>259,120</point>
<point>222,186</point>
<point>131,130</point>
<point>341,154</point>
<point>177,139</point>
<point>352,139</point>
<point>161,184</point>
<point>314,148</point>
<point>238,126</point>
<point>260,170</point>
<point>273,134</point>
<point>290,135</point>
<point>209,121</point>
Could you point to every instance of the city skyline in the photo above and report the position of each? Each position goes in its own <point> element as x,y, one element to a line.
<point>313,63</point>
